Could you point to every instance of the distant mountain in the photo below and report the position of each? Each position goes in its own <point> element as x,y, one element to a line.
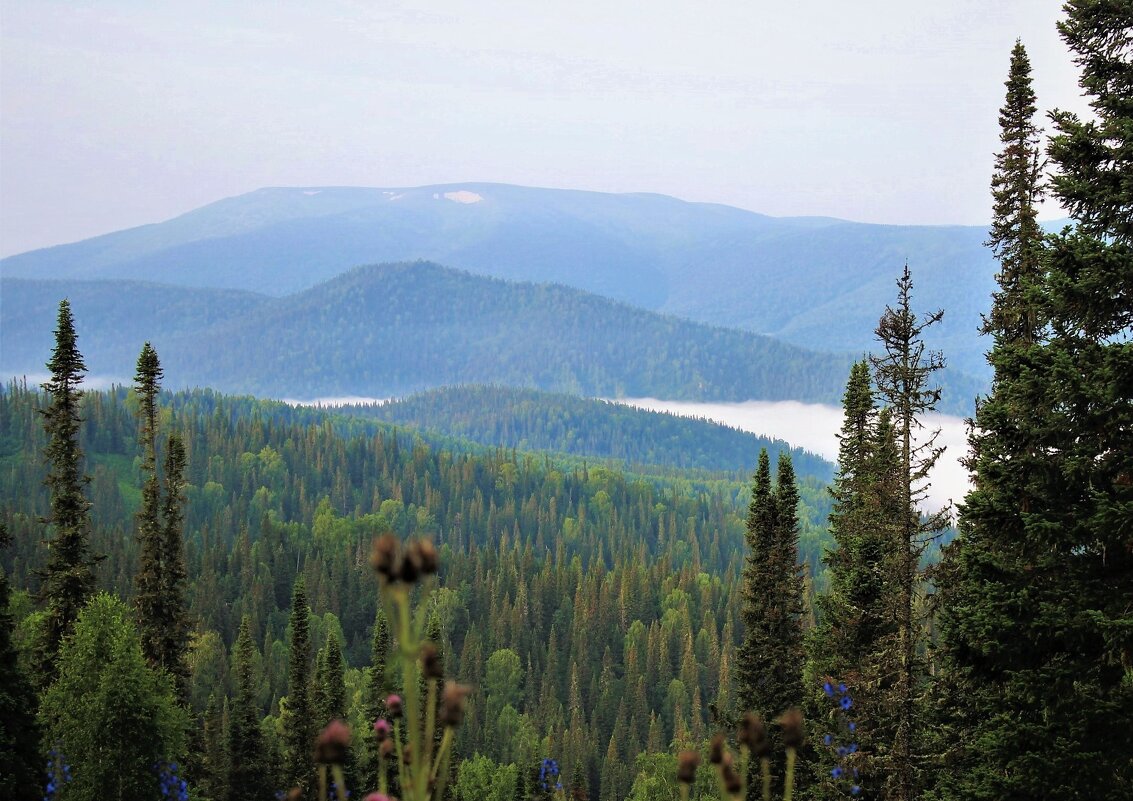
<point>393,330</point>
<point>530,420</point>
<point>816,282</point>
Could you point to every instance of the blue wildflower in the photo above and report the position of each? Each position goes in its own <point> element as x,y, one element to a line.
<point>828,689</point>
<point>837,772</point>
<point>855,789</point>
<point>846,702</point>
<point>828,739</point>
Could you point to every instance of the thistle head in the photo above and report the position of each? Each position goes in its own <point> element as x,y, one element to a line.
<point>687,762</point>
<point>332,742</point>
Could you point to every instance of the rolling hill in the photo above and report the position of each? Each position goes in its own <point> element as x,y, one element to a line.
<point>815,282</point>
<point>392,330</point>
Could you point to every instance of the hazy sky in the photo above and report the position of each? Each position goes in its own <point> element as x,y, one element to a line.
<point>115,113</point>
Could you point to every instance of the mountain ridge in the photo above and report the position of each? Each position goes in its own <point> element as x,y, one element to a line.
<point>816,282</point>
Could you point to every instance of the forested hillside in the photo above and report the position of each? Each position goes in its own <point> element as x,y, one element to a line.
<point>395,329</point>
<point>540,421</point>
<point>609,592</point>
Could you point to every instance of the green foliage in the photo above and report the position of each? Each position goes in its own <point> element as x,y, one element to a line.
<point>298,715</point>
<point>770,660</point>
<point>247,762</point>
<point>1036,591</point>
<point>481,779</point>
<point>68,577</point>
<point>20,759</point>
<point>468,329</point>
<point>542,421</point>
<point>108,713</point>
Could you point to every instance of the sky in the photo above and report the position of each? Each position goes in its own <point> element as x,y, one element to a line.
<point>116,113</point>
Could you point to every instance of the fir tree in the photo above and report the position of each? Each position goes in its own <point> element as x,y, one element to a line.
<point>247,778</point>
<point>902,375</point>
<point>1037,590</point>
<point>299,723</point>
<point>68,579</point>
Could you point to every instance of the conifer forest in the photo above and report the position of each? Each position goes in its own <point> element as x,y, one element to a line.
<point>217,597</point>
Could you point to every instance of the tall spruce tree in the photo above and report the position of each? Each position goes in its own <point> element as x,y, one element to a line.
<point>1037,591</point>
<point>299,723</point>
<point>147,582</point>
<point>902,375</point>
<point>377,684</point>
<point>247,773</point>
<point>68,578</point>
<point>856,626</point>
<point>769,667</point>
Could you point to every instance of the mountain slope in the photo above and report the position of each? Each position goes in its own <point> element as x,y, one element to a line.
<point>396,329</point>
<point>540,421</point>
<point>816,282</point>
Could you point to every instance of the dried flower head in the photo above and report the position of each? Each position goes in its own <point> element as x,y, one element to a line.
<point>420,559</point>
<point>753,734</point>
<point>452,703</point>
<point>793,730</point>
<point>732,781</point>
<point>716,749</point>
<point>687,762</point>
<point>332,742</point>
<point>386,749</point>
<point>384,556</point>
<point>431,665</point>
<point>295,794</point>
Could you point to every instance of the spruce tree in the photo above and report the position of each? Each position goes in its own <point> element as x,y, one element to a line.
<point>68,578</point>
<point>247,779</point>
<point>147,583</point>
<point>769,667</point>
<point>902,375</point>
<point>855,625</point>
<point>377,685</point>
<point>1036,592</point>
<point>299,724</point>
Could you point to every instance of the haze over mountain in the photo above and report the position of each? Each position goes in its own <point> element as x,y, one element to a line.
<point>816,282</point>
<point>391,330</point>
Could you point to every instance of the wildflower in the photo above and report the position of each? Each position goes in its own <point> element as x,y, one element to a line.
<point>332,742</point>
<point>792,724</point>
<point>686,766</point>
<point>828,688</point>
<point>381,729</point>
<point>846,702</point>
<point>393,704</point>
<point>452,703</point>
<point>548,773</point>
<point>377,797</point>
<point>828,739</point>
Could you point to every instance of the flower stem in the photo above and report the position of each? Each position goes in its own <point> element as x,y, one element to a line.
<point>789,780</point>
